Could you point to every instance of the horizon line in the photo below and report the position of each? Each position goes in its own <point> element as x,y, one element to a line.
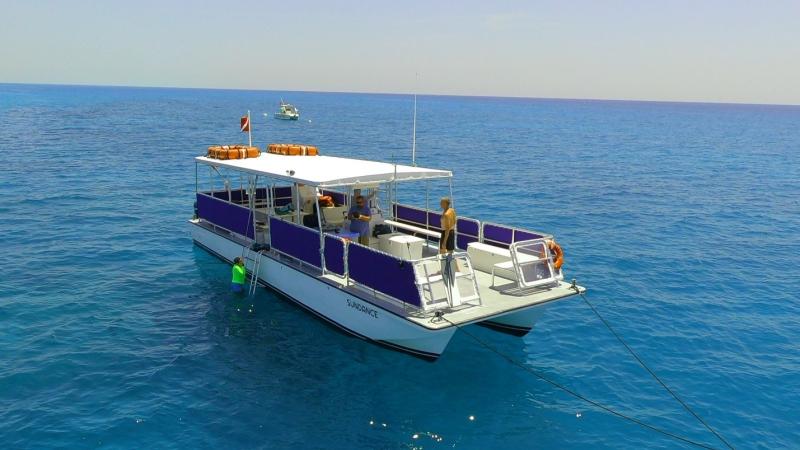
<point>311,91</point>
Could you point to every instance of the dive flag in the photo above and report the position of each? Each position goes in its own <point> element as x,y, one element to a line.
<point>245,124</point>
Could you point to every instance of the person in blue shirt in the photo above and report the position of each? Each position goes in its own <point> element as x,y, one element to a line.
<point>359,220</point>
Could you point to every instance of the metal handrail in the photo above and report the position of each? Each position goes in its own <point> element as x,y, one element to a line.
<point>513,233</point>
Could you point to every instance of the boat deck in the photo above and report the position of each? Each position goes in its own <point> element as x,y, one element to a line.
<point>504,297</point>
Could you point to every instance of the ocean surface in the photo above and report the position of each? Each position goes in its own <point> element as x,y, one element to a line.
<point>682,220</point>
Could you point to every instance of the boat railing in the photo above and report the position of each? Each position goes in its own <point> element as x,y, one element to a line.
<point>296,241</point>
<point>336,255</point>
<point>503,235</point>
<point>223,214</point>
<point>426,284</point>
<point>383,273</point>
<point>446,281</point>
<point>357,264</point>
<point>281,196</point>
<point>467,230</point>
<point>533,263</point>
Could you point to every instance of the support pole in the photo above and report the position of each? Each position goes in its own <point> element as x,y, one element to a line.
<point>452,205</point>
<point>394,182</point>
<point>297,206</point>
<point>427,206</point>
<point>414,135</point>
<point>321,234</point>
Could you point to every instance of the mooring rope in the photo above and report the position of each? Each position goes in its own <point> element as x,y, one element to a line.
<point>594,403</point>
<point>648,369</point>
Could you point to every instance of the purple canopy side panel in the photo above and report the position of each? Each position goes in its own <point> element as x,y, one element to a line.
<point>383,272</point>
<point>411,215</point>
<point>282,191</point>
<point>435,220</point>
<point>522,235</point>
<point>469,227</point>
<point>334,254</point>
<point>338,197</point>
<point>500,235</point>
<point>226,215</point>
<point>261,193</point>
<point>299,242</point>
<point>462,240</point>
<point>282,195</point>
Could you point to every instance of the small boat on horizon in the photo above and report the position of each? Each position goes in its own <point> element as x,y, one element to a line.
<point>287,111</point>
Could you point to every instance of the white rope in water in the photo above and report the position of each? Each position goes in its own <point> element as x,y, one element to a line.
<point>440,316</point>
<point>650,371</point>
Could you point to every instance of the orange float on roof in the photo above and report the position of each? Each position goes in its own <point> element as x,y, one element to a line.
<point>293,149</point>
<point>232,152</point>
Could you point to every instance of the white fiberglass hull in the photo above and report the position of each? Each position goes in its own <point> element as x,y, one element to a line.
<point>333,304</point>
<point>518,323</point>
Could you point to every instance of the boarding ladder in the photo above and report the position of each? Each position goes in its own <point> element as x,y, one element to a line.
<point>446,281</point>
<point>252,262</point>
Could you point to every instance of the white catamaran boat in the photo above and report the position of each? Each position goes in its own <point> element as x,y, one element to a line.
<point>397,291</point>
<point>287,112</point>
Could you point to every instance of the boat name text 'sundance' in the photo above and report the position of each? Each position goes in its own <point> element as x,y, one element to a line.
<point>362,308</point>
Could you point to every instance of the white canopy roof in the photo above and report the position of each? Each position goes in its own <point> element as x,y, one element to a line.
<point>326,171</point>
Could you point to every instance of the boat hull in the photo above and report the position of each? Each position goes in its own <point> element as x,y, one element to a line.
<point>285,117</point>
<point>330,302</point>
<point>517,323</point>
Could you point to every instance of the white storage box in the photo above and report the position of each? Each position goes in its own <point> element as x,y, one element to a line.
<point>403,246</point>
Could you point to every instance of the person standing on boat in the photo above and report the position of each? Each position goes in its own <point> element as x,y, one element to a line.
<point>307,195</point>
<point>367,198</point>
<point>447,243</point>
<point>238,275</point>
<point>359,215</point>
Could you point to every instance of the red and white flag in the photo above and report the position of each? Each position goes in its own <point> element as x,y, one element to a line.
<point>245,124</point>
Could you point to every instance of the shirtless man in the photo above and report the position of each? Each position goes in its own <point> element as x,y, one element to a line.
<point>448,241</point>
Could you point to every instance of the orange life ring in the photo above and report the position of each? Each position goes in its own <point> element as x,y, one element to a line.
<point>558,254</point>
<point>293,149</point>
<point>233,152</point>
<point>325,200</point>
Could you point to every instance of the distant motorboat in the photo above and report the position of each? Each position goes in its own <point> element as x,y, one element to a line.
<point>287,112</point>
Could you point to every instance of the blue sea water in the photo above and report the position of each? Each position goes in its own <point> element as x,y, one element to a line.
<point>117,332</point>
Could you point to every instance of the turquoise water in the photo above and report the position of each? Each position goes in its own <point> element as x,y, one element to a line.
<point>116,332</point>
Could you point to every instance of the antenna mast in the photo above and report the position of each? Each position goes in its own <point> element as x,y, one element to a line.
<point>414,135</point>
<point>249,130</point>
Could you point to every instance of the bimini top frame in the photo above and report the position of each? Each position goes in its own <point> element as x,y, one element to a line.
<point>326,171</point>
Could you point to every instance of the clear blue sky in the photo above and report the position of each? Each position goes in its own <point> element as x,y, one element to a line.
<point>714,50</point>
